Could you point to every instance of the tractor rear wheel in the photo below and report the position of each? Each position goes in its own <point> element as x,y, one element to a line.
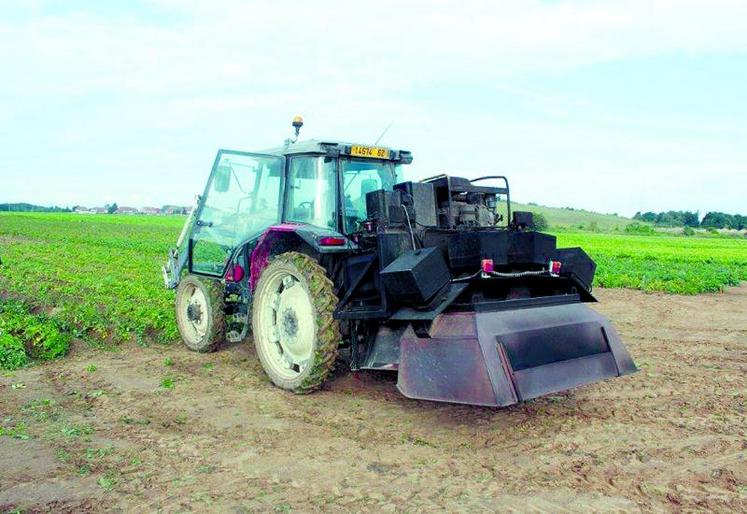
<point>294,332</point>
<point>199,313</point>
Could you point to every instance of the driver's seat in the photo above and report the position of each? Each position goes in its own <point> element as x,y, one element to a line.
<point>367,185</point>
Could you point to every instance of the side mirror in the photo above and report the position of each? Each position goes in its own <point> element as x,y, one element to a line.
<point>222,179</point>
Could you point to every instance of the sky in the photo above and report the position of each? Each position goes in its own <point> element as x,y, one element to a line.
<point>614,106</point>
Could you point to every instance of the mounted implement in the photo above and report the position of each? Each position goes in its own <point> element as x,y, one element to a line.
<point>317,246</point>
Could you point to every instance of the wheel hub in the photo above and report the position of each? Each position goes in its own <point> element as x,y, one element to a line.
<point>289,325</point>
<point>194,313</point>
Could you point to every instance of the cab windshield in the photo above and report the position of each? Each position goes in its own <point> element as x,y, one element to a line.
<point>361,176</point>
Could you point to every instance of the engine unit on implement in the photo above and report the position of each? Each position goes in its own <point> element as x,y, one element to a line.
<point>323,252</point>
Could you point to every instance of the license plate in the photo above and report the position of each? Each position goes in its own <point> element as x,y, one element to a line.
<point>371,152</point>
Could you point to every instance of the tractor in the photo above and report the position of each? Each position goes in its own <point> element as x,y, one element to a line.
<point>321,252</point>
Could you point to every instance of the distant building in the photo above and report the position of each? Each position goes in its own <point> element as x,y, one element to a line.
<point>80,209</point>
<point>126,210</point>
<point>98,210</point>
<point>173,209</point>
<point>150,210</point>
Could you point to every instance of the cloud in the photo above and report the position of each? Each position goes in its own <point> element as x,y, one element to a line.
<point>382,45</point>
<point>160,84</point>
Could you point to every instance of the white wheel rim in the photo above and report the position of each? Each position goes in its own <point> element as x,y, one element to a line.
<point>196,324</point>
<point>287,325</point>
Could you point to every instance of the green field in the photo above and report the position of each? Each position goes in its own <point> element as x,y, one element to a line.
<point>673,264</point>
<point>97,277</point>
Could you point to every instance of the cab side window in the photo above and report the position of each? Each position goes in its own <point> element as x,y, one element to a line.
<point>312,187</point>
<point>243,199</point>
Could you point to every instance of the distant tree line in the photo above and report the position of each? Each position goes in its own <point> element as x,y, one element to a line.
<point>692,219</point>
<point>27,207</point>
<point>721,220</point>
<point>670,218</point>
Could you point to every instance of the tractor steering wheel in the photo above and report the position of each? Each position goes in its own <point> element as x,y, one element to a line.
<point>304,210</point>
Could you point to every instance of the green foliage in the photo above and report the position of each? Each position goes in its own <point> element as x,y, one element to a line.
<point>98,274</point>
<point>36,336</point>
<point>688,231</point>
<point>41,409</point>
<point>648,217</point>
<point>670,218</point>
<point>12,353</point>
<point>638,228</point>
<point>45,341</point>
<point>672,264</point>
<point>27,207</point>
<point>76,430</point>
<point>167,383</point>
<point>540,222</point>
<point>722,220</point>
<point>108,481</point>
<point>17,431</point>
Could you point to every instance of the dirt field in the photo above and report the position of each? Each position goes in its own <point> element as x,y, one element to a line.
<point>672,437</point>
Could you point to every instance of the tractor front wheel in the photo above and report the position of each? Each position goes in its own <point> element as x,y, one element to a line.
<point>294,332</point>
<point>199,313</point>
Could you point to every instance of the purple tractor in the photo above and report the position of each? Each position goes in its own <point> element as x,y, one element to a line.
<point>321,251</point>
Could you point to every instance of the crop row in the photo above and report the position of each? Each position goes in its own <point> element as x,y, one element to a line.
<point>671,264</point>
<point>99,276</point>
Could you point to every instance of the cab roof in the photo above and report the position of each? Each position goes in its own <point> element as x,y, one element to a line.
<point>334,148</point>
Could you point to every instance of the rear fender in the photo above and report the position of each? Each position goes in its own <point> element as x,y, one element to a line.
<point>291,236</point>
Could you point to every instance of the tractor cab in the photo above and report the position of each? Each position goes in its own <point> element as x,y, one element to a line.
<point>327,182</point>
<point>319,184</point>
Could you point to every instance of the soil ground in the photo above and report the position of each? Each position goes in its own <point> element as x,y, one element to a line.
<point>161,428</point>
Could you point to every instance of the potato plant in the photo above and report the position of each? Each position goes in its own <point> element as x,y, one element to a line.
<point>97,277</point>
<point>672,264</point>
